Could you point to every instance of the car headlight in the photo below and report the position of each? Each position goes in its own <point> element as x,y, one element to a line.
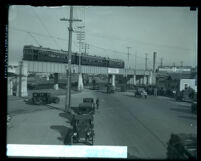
<point>74,134</point>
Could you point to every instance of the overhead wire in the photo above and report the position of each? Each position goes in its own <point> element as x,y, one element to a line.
<point>45,27</point>
<point>92,45</point>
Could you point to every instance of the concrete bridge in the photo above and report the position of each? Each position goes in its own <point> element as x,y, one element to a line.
<point>133,76</point>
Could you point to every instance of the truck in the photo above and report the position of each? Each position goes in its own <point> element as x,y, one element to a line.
<point>186,91</point>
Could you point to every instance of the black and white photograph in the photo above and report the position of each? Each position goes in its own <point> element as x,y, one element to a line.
<point>122,79</point>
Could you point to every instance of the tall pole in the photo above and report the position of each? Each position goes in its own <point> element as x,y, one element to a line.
<point>68,96</point>
<point>181,63</point>
<point>20,79</point>
<point>68,85</point>
<point>135,61</point>
<point>161,64</point>
<point>146,62</point>
<point>80,37</point>
<point>154,62</point>
<point>86,46</point>
<point>128,56</point>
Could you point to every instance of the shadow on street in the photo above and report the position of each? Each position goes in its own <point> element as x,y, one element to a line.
<point>129,95</point>
<point>185,106</point>
<point>63,130</point>
<point>181,110</point>
<point>189,117</point>
<point>67,116</point>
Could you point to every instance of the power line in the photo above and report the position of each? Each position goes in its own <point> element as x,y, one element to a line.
<point>139,42</point>
<point>92,45</point>
<point>33,38</point>
<point>45,27</point>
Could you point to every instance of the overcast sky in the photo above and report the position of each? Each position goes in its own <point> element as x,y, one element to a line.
<point>170,31</point>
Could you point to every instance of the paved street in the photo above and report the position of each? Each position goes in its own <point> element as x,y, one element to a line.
<point>144,125</point>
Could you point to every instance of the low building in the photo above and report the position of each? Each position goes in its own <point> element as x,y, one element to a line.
<point>12,80</point>
<point>171,81</point>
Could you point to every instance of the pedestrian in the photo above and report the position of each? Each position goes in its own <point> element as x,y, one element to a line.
<point>155,91</point>
<point>97,103</point>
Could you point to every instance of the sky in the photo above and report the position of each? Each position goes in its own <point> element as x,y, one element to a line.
<point>109,31</point>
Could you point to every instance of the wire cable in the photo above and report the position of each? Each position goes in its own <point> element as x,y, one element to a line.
<point>45,27</point>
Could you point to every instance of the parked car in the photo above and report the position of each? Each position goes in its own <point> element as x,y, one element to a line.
<point>39,98</point>
<point>110,88</point>
<point>140,92</point>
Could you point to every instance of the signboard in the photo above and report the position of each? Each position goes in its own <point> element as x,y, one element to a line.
<point>113,71</point>
<point>174,69</point>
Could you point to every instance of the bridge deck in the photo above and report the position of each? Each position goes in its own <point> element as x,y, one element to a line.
<point>49,67</point>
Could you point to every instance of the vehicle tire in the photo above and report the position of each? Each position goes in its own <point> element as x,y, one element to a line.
<point>193,108</point>
<point>92,142</point>
<point>37,101</point>
<point>68,140</point>
<point>56,100</point>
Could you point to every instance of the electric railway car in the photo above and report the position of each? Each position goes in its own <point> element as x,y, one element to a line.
<point>45,54</point>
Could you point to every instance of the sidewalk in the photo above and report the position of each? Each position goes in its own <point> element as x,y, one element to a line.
<point>14,98</point>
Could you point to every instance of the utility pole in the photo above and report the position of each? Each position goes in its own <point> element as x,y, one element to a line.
<point>128,56</point>
<point>181,63</point>
<point>161,62</point>
<point>154,61</point>
<point>135,61</point>
<point>20,79</point>
<point>86,46</point>
<point>68,85</point>
<point>80,38</point>
<point>146,62</point>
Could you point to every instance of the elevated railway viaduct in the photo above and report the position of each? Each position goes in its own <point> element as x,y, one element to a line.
<point>133,76</point>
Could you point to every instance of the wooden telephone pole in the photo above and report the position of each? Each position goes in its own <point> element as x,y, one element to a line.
<point>68,85</point>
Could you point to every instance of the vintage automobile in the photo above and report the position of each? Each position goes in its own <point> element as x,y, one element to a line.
<point>194,104</point>
<point>140,92</point>
<point>91,102</point>
<point>82,124</point>
<point>95,87</point>
<point>43,98</point>
<point>182,146</point>
<point>110,88</point>
<point>83,132</point>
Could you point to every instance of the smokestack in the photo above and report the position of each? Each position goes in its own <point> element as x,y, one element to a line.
<point>154,61</point>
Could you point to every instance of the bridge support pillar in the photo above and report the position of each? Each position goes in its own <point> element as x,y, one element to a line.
<point>113,80</point>
<point>154,78</point>
<point>9,86</point>
<point>22,70</point>
<point>56,80</point>
<point>80,82</point>
<point>144,80</point>
<point>47,77</point>
<point>150,79</point>
<point>141,81</point>
<point>134,80</point>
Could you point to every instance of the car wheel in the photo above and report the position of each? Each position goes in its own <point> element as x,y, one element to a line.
<point>56,100</point>
<point>37,101</point>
